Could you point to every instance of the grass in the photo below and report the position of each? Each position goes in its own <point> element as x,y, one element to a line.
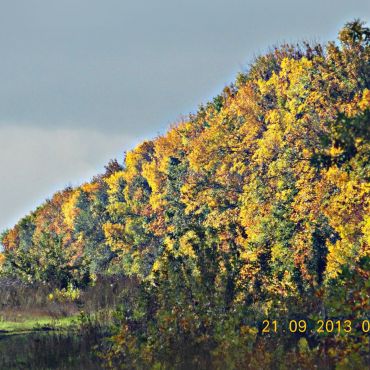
<point>29,324</point>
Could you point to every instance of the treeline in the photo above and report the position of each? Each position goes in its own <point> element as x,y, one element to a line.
<point>256,207</point>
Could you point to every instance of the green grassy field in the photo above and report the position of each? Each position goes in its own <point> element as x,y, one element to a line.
<point>36,324</point>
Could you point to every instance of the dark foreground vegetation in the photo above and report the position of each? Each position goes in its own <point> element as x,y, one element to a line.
<point>256,208</point>
<point>51,350</point>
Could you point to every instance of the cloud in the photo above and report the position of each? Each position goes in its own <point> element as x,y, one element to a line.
<point>35,162</point>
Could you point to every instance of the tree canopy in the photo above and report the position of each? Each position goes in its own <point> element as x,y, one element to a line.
<point>255,207</point>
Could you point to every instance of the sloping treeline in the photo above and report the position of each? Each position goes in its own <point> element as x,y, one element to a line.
<point>256,207</point>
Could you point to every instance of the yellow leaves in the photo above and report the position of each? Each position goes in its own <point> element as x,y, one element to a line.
<point>316,99</point>
<point>70,294</point>
<point>366,231</point>
<point>156,181</point>
<point>115,182</point>
<point>269,145</point>
<point>291,80</point>
<point>69,209</point>
<point>349,109</point>
<point>251,215</point>
<point>167,146</point>
<point>114,234</point>
<point>116,207</point>
<point>365,101</point>
<point>340,253</point>
<point>222,141</point>
<point>347,212</point>
<point>136,158</point>
<point>346,209</point>
<point>343,201</point>
<point>249,255</point>
<point>335,152</point>
<point>336,176</point>
<point>359,103</point>
<point>186,244</point>
<point>295,67</point>
<point>248,331</point>
<point>278,252</point>
<point>273,116</point>
<point>303,346</point>
<point>196,200</point>
<point>156,266</point>
<point>219,219</point>
<point>266,86</point>
<point>169,244</point>
<point>245,104</point>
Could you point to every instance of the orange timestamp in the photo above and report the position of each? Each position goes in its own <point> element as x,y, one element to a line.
<point>320,326</point>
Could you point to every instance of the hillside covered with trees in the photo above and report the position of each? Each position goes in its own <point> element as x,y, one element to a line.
<point>255,208</point>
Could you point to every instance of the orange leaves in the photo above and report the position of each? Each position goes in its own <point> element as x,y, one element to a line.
<point>2,259</point>
<point>11,238</point>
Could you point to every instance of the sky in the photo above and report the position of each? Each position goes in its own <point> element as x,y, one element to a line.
<point>82,81</point>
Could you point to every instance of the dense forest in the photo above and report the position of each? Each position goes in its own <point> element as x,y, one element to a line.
<point>255,208</point>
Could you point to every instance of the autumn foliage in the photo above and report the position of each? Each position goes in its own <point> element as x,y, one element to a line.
<point>255,207</point>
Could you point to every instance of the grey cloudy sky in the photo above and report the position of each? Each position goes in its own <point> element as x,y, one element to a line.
<point>83,80</point>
